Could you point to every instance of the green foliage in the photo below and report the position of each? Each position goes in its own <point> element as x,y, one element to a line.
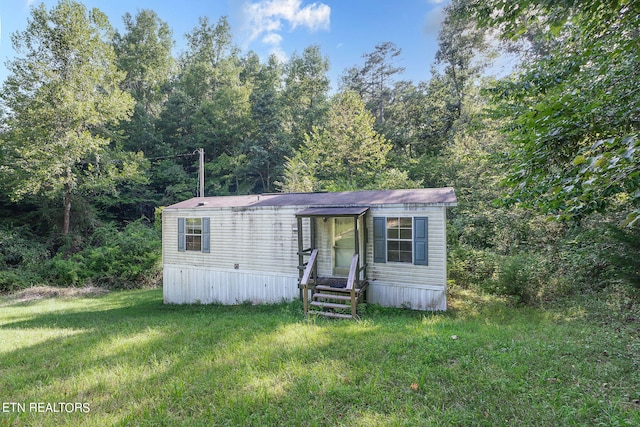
<point>116,259</point>
<point>144,53</point>
<point>517,276</point>
<point>573,108</point>
<point>373,81</point>
<point>470,268</point>
<point>62,95</point>
<point>298,176</point>
<point>598,255</point>
<point>21,259</point>
<point>305,99</point>
<point>347,153</point>
<point>392,179</point>
<point>266,147</point>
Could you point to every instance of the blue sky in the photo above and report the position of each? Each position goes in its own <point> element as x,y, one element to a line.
<point>344,29</point>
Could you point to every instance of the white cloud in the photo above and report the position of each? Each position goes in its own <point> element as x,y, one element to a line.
<point>433,20</point>
<point>265,19</point>
<point>272,38</point>
<point>269,15</point>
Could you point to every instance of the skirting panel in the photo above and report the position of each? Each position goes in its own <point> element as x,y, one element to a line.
<point>433,298</point>
<point>193,285</point>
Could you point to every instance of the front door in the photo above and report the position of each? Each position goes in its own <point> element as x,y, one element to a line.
<point>344,245</point>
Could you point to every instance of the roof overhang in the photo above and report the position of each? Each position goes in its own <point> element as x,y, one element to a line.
<point>333,211</point>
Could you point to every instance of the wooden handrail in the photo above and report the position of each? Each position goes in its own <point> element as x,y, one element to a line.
<point>352,271</point>
<point>350,282</point>
<point>304,282</point>
<point>307,271</point>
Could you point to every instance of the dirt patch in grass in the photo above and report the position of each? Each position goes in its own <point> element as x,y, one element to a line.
<point>41,292</point>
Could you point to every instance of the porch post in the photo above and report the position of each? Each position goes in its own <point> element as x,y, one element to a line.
<point>312,239</point>
<point>312,230</point>
<point>363,219</point>
<point>356,233</point>
<point>300,255</point>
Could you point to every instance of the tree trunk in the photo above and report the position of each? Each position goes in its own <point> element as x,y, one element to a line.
<point>67,209</point>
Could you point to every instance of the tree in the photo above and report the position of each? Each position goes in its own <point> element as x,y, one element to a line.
<point>373,81</point>
<point>574,110</point>
<point>267,146</point>
<point>209,106</point>
<point>144,53</point>
<point>61,97</point>
<point>462,52</point>
<point>347,153</point>
<point>305,93</point>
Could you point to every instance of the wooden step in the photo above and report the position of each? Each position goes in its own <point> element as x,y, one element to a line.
<point>323,304</point>
<point>332,314</point>
<point>332,289</point>
<point>331,296</point>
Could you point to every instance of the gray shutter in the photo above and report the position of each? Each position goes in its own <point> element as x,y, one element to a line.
<point>420,241</point>
<point>379,239</point>
<point>181,238</point>
<point>206,235</point>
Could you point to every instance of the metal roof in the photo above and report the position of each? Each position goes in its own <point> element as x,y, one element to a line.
<point>332,211</point>
<point>421,196</point>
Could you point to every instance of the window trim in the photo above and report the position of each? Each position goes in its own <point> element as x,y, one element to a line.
<point>420,240</point>
<point>193,230</point>
<point>399,239</point>
<point>205,239</point>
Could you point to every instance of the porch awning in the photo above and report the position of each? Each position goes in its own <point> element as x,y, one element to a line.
<point>332,211</point>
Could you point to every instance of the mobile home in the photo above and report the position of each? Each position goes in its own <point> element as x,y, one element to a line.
<point>386,247</point>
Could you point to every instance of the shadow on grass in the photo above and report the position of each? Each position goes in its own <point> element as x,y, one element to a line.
<point>136,361</point>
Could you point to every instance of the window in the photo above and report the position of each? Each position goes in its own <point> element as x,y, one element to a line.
<point>399,240</point>
<point>193,234</point>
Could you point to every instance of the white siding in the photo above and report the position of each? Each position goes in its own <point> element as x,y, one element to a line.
<point>432,298</point>
<point>190,285</point>
<point>398,284</point>
<point>252,239</point>
<point>254,258</point>
<point>433,274</point>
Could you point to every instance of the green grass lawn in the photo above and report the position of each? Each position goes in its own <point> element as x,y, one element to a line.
<point>130,360</point>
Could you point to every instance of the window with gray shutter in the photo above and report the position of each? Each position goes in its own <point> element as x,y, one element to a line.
<point>379,239</point>
<point>401,239</point>
<point>194,234</point>
<point>181,237</point>
<point>420,240</point>
<point>206,235</point>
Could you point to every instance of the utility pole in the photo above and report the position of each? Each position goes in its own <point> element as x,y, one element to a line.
<point>201,172</point>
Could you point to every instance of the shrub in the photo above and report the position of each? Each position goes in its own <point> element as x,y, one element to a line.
<point>21,258</point>
<point>117,259</point>
<point>16,278</point>
<point>601,255</point>
<point>469,267</point>
<point>518,276</point>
